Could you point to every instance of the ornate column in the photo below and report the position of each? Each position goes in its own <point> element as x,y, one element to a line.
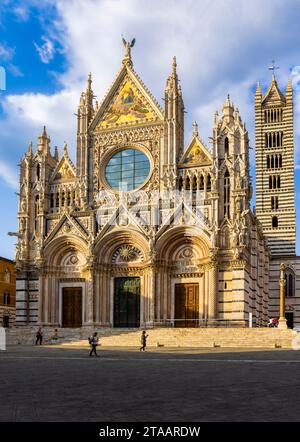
<point>213,291</point>
<point>151,295</point>
<point>282,282</point>
<point>89,277</point>
<point>90,300</point>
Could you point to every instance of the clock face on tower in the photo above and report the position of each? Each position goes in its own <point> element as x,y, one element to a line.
<point>127,170</point>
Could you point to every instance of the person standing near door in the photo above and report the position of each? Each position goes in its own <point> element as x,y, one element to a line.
<point>39,336</point>
<point>94,340</point>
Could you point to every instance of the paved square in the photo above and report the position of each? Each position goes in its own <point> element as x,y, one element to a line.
<point>63,384</point>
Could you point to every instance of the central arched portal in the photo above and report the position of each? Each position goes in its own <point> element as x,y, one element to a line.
<point>127,294</point>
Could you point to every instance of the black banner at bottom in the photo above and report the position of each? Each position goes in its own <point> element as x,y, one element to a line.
<point>74,431</point>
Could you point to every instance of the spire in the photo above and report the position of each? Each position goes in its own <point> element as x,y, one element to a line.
<point>43,142</point>
<point>65,149</point>
<point>172,81</point>
<point>258,90</point>
<point>216,119</point>
<point>228,110</point>
<point>56,153</point>
<point>174,67</point>
<point>44,133</point>
<point>29,152</point>
<point>89,82</point>
<point>289,87</point>
<point>195,129</point>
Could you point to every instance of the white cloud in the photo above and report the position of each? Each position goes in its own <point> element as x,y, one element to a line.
<point>6,53</point>
<point>15,70</point>
<point>21,12</point>
<point>46,51</point>
<point>9,175</point>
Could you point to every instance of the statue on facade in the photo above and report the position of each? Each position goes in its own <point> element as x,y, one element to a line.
<point>128,45</point>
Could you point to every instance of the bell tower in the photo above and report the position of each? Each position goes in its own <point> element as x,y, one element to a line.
<point>275,189</point>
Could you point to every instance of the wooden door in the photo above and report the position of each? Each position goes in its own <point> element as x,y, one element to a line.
<point>187,305</point>
<point>72,307</point>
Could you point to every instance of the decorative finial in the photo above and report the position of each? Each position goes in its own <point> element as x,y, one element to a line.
<point>90,81</point>
<point>195,129</point>
<point>30,148</point>
<point>273,67</point>
<point>44,133</point>
<point>56,153</point>
<point>174,66</point>
<point>65,148</point>
<point>128,45</point>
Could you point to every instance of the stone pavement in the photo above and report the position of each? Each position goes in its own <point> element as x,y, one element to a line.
<point>179,385</point>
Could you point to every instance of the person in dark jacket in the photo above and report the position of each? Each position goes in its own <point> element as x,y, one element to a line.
<point>39,336</point>
<point>143,341</point>
<point>94,342</point>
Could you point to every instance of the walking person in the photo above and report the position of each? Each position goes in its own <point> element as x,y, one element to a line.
<point>39,336</point>
<point>94,342</point>
<point>143,341</point>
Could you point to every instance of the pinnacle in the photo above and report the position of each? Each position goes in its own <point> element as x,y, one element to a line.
<point>258,90</point>
<point>44,133</point>
<point>289,85</point>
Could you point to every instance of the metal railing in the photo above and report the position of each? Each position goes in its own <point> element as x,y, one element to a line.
<point>199,323</point>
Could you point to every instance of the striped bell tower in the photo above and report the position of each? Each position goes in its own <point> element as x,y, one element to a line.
<point>275,189</point>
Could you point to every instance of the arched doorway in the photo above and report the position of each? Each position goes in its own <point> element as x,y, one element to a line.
<point>121,273</point>
<point>127,293</point>
<point>183,279</point>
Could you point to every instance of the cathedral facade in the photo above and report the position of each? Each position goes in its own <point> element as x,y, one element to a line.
<point>143,230</point>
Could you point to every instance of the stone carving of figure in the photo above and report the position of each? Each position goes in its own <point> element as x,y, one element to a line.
<point>235,238</point>
<point>23,204</point>
<point>128,45</point>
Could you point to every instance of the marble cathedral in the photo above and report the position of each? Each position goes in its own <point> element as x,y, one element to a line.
<point>145,231</point>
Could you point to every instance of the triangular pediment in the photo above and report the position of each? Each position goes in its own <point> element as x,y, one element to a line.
<point>128,102</point>
<point>64,171</point>
<point>184,215</point>
<point>67,225</point>
<point>196,154</point>
<point>122,217</point>
<point>273,95</point>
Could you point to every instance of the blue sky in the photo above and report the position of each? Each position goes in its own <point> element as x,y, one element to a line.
<point>49,47</point>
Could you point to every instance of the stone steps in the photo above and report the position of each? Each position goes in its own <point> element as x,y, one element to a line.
<point>166,337</point>
<point>248,338</point>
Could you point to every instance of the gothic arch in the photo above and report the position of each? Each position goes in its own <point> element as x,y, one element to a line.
<point>107,246</point>
<point>57,251</point>
<point>170,242</point>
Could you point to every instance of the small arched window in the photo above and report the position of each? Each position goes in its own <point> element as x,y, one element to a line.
<point>226,146</point>
<point>6,300</point>
<point>180,183</point>
<point>38,172</point>
<point>227,194</point>
<point>208,187</point>
<point>275,222</point>
<point>194,184</point>
<point>7,276</point>
<point>201,182</point>
<point>289,283</point>
<point>188,184</point>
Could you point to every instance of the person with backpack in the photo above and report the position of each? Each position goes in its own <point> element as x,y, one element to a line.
<point>93,341</point>
<point>39,336</point>
<point>143,341</point>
